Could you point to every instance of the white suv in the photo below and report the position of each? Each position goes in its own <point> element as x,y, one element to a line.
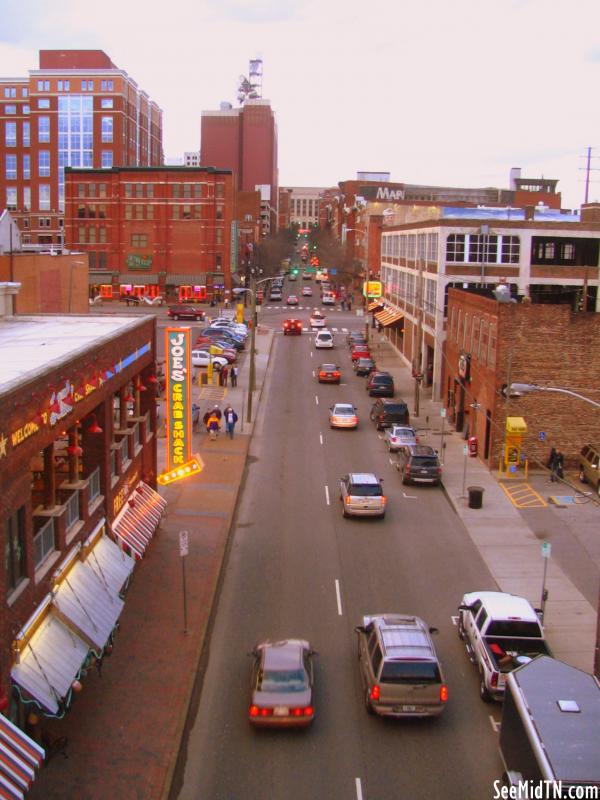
<point>324,339</point>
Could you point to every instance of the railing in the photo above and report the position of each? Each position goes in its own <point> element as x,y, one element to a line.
<point>94,484</point>
<point>43,543</point>
<point>113,462</point>
<point>124,447</point>
<point>136,434</point>
<point>72,506</point>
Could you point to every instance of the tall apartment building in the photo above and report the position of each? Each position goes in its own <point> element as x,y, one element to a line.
<point>244,140</point>
<point>77,110</point>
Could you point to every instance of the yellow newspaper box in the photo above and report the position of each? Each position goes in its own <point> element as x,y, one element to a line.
<point>516,427</point>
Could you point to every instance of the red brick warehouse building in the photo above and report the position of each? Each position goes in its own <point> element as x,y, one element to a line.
<point>77,110</point>
<point>153,230</point>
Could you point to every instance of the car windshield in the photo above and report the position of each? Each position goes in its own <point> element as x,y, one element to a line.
<point>514,628</point>
<point>410,672</point>
<point>424,461</point>
<point>383,379</point>
<point>324,336</point>
<point>343,410</point>
<point>366,489</point>
<point>282,681</point>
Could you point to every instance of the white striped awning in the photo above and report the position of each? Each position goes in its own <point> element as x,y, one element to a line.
<point>136,524</point>
<point>112,565</point>
<point>20,756</point>
<point>49,658</point>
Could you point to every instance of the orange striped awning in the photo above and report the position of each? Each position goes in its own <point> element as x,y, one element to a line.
<point>374,305</point>
<point>389,316</point>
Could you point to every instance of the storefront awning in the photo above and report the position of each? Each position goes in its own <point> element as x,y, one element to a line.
<point>111,564</point>
<point>197,279</point>
<point>135,525</point>
<point>84,598</point>
<point>20,756</point>
<point>137,279</point>
<point>49,658</point>
<point>375,305</point>
<point>388,316</point>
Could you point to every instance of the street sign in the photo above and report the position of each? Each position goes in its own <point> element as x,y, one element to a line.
<point>542,436</point>
<point>183,543</point>
<point>546,549</point>
<point>465,450</point>
<point>442,412</point>
<point>333,271</point>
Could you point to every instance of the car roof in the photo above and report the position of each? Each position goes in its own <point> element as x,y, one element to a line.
<point>421,450</point>
<point>285,654</point>
<point>324,331</point>
<point>343,405</point>
<point>364,477</point>
<point>403,636</point>
<point>502,605</point>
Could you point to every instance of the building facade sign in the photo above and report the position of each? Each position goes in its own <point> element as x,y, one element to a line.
<point>178,395</point>
<point>134,261</point>
<point>385,194</point>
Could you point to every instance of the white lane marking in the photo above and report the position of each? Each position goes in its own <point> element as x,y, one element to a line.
<point>327,494</point>
<point>316,400</point>
<point>311,352</point>
<point>321,438</point>
<point>495,723</point>
<point>314,373</point>
<point>338,597</point>
<point>359,794</point>
<point>410,496</point>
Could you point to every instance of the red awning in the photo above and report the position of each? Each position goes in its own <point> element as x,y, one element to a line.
<point>136,524</point>
<point>20,756</point>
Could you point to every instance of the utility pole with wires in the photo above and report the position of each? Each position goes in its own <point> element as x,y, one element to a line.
<point>588,168</point>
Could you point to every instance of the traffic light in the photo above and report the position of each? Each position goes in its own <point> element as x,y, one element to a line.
<point>295,271</point>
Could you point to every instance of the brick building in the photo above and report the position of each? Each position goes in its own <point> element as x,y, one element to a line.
<point>490,343</point>
<point>545,255</point>
<point>244,140</point>
<point>78,471</point>
<point>76,110</point>
<point>153,230</point>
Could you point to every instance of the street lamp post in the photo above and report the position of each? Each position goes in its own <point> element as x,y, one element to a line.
<point>528,388</point>
<point>252,371</point>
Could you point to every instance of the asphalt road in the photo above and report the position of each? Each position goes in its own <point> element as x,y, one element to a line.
<point>297,568</point>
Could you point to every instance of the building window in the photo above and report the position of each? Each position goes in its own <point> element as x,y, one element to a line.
<point>14,548</point>
<point>149,190</point>
<point>149,212</point>
<point>106,102</point>
<point>26,202</point>
<point>91,211</point>
<point>10,169</point>
<point>483,342</point>
<point>44,197</point>
<point>197,211</point>
<point>219,236</point>
<point>176,211</point>
<point>26,134</point>
<point>510,249</point>
<point>43,86</point>
<point>187,190</point>
<point>187,212</point>
<point>139,240</point>
<point>102,234</point>
<point>26,109</point>
<point>82,234</point>
<point>219,213</point>
<point>107,129</point>
<point>10,109</point>
<point>10,134</point>
<point>175,190</point>
<point>455,247</point>
<point>102,261</point>
<point>107,159</point>
<point>44,222</point>
<point>219,189</point>
<point>432,246</point>
<point>567,252</point>
<point>128,190</point>
<point>92,259</point>
<point>11,198</point>
<point>43,129</point>
<point>139,189</point>
<point>101,190</point>
<point>128,211</point>
<point>43,102</point>
<point>92,234</point>
<point>197,190</point>
<point>91,189</point>
<point>101,211</point>
<point>492,346</point>
<point>24,92</point>
<point>139,211</point>
<point>81,190</point>
<point>44,163</point>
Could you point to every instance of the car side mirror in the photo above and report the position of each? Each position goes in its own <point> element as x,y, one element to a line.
<point>331,408</point>
<point>314,652</point>
<point>360,629</point>
<point>465,607</point>
<point>433,630</point>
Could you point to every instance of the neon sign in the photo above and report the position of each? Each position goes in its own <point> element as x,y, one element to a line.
<point>178,396</point>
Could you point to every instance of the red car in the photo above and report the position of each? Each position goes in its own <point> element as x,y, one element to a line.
<point>359,351</point>
<point>293,327</point>
<point>186,312</point>
<point>329,373</point>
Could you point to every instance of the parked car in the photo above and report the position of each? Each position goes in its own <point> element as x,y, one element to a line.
<point>361,494</point>
<point>293,327</point>
<point>399,435</point>
<point>589,466</point>
<point>324,339</point>
<point>282,684</point>
<point>329,373</point>
<point>380,384</point>
<point>352,335</point>
<point>185,312</point>
<point>418,463</point>
<point>399,667</point>
<point>202,358</point>
<point>343,415</point>
<point>385,413</point>
<point>364,366</point>
<point>359,351</point>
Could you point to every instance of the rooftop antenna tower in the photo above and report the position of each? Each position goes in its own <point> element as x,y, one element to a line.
<point>250,88</point>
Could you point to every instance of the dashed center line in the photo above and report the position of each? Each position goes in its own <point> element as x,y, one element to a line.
<point>317,399</point>
<point>359,794</point>
<point>321,438</point>
<point>327,494</point>
<point>338,597</point>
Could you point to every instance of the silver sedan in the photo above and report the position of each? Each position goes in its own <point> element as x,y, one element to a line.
<point>399,435</point>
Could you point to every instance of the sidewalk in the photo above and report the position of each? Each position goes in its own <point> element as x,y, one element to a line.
<point>510,549</point>
<point>125,728</point>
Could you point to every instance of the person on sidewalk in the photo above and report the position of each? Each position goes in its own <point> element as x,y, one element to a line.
<point>214,410</point>
<point>213,426</point>
<point>234,376</point>
<point>230,418</point>
<point>195,416</point>
<point>224,374</point>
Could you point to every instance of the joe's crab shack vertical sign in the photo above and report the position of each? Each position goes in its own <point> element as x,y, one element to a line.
<point>178,396</point>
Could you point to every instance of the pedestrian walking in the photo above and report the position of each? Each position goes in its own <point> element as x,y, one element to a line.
<point>214,410</point>
<point>230,418</point>
<point>221,377</point>
<point>234,375</point>
<point>224,374</point>
<point>556,464</point>
<point>213,426</point>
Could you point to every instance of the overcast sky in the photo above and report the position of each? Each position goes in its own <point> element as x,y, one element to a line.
<point>446,93</point>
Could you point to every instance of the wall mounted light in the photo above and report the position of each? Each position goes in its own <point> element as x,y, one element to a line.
<point>94,427</point>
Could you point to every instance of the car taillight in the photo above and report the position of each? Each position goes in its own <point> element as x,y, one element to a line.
<point>305,711</point>
<point>383,499</point>
<point>375,692</point>
<point>336,374</point>
<point>322,374</point>
<point>254,711</point>
<point>443,693</point>
<point>494,679</point>
<point>348,499</point>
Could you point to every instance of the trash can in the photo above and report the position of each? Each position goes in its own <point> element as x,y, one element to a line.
<point>475,496</point>
<point>203,379</point>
